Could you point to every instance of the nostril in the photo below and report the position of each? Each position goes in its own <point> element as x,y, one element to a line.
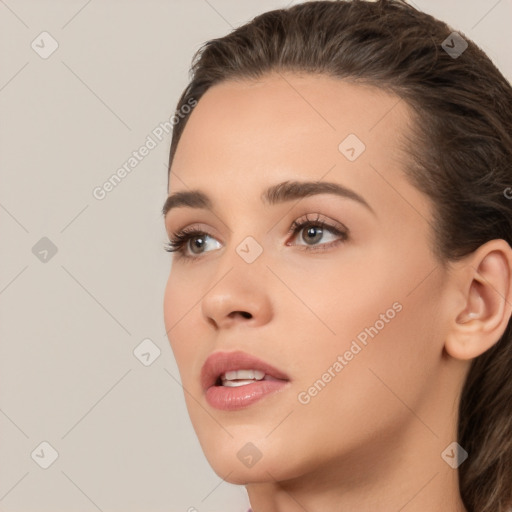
<point>245,314</point>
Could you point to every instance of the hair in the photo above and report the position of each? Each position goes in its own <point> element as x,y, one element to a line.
<point>459,155</point>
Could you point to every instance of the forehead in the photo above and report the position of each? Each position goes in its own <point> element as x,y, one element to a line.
<point>288,115</point>
<point>247,135</point>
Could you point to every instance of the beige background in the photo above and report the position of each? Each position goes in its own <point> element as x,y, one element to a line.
<point>70,323</point>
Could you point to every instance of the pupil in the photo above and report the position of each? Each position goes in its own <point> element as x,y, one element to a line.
<point>197,243</point>
<point>312,231</point>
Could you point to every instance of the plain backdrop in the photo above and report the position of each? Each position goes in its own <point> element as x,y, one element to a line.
<point>81,278</point>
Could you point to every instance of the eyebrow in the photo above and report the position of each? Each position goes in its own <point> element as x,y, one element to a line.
<point>276,194</point>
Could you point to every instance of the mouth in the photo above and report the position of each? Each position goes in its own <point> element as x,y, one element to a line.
<point>235,380</point>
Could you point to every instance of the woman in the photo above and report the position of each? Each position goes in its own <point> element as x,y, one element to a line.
<point>340,296</point>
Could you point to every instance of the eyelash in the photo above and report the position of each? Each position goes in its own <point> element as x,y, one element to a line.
<point>179,240</point>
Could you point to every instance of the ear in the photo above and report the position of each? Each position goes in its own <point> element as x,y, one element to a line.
<point>486,283</point>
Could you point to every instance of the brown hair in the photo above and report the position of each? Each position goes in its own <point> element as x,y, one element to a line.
<point>460,156</point>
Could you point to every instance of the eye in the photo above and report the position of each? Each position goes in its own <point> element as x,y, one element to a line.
<point>192,239</point>
<point>312,231</point>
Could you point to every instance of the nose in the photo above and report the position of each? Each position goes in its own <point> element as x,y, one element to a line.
<point>239,297</point>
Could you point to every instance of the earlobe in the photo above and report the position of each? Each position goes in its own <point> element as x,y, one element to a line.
<point>487,285</point>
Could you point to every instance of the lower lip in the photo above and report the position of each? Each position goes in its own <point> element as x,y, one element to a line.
<point>234,398</point>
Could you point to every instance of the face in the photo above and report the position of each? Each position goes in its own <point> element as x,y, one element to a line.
<point>333,293</point>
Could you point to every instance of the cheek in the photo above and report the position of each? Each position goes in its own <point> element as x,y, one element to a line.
<point>383,321</point>
<point>390,346</point>
<point>170,303</point>
<point>179,301</point>
<point>181,295</point>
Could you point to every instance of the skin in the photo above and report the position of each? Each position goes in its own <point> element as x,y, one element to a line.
<point>372,438</point>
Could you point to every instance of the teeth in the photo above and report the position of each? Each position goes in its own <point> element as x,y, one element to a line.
<point>236,383</point>
<point>241,377</point>
<point>244,374</point>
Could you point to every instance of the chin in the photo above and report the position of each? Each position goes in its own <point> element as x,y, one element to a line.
<point>240,461</point>
<point>235,472</point>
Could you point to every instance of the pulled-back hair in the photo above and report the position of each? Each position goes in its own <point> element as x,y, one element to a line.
<point>460,156</point>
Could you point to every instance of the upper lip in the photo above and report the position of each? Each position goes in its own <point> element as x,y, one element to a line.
<point>221,362</point>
